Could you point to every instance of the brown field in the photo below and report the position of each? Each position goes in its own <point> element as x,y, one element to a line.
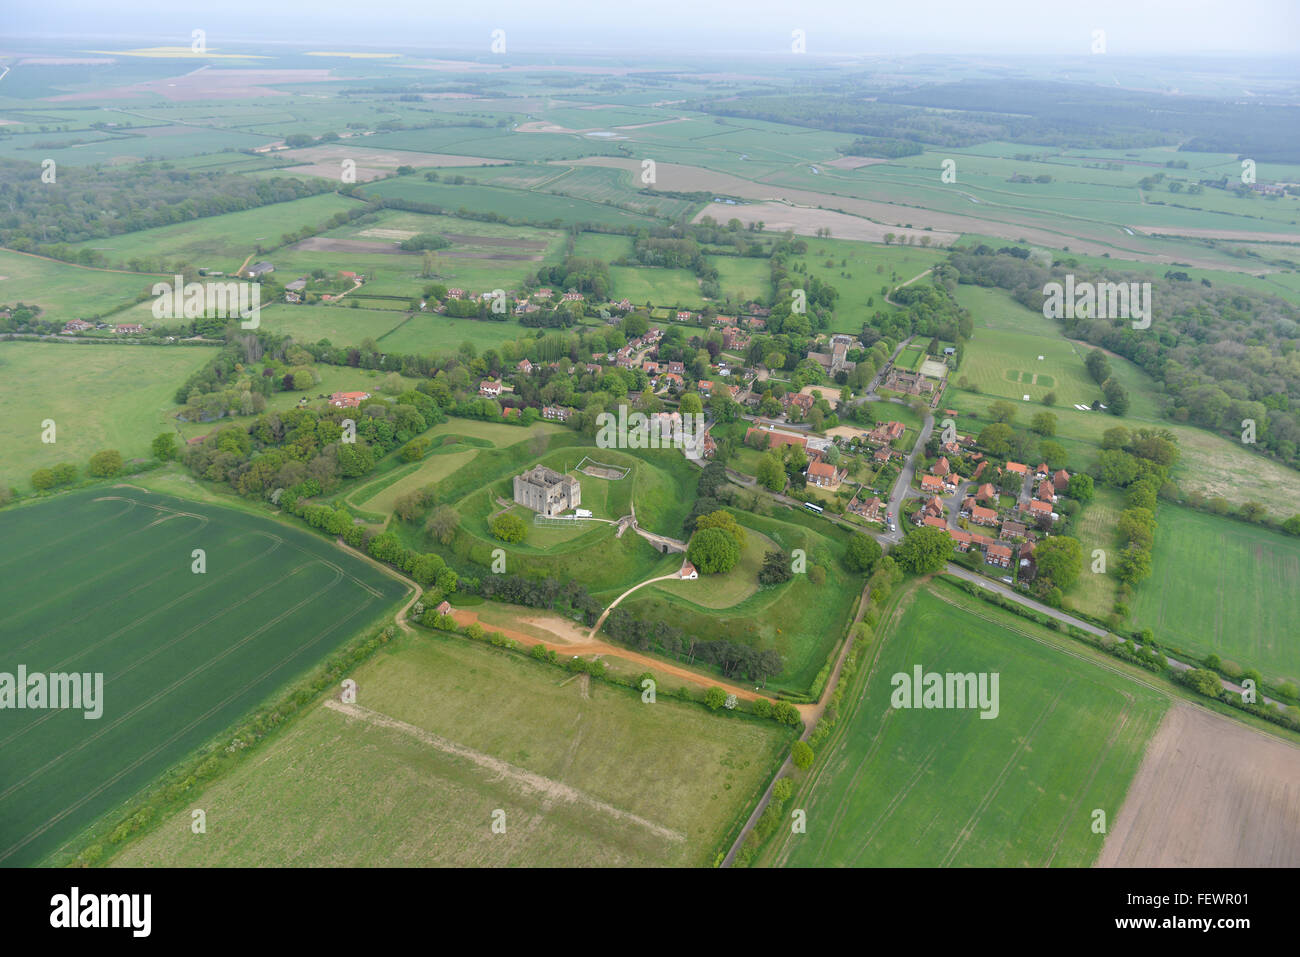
<point>319,244</point>
<point>1210,793</point>
<point>205,84</point>
<point>688,179</point>
<point>325,161</point>
<point>1243,235</point>
<point>854,162</point>
<point>805,221</point>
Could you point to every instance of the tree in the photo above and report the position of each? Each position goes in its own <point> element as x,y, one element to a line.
<point>1292,525</point>
<point>1117,468</point>
<point>771,472</point>
<point>42,479</point>
<point>924,551</point>
<point>786,713</point>
<point>724,520</point>
<point>1044,423</point>
<point>863,553</point>
<point>776,568</point>
<point>1049,399</point>
<point>1134,564</point>
<point>802,755</point>
<point>996,438</point>
<point>713,551</point>
<point>105,464</point>
<point>442,524</point>
<point>1203,680</point>
<point>1060,559</point>
<point>783,790</point>
<point>164,446</point>
<point>1053,453</point>
<point>508,528</point>
<point>1080,488</point>
<point>715,698</point>
<point>691,404</point>
<point>1116,396</point>
<point>1098,366</point>
<point>1116,437</point>
<point>1002,412</point>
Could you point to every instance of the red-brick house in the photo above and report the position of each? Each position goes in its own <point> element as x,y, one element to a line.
<point>348,400</point>
<point>825,475</point>
<point>999,555</point>
<point>1061,480</point>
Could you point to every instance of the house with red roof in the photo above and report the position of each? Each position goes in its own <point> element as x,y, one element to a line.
<point>824,475</point>
<point>999,555</point>
<point>348,400</point>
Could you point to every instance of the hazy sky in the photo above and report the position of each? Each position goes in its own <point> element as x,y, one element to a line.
<point>1132,27</point>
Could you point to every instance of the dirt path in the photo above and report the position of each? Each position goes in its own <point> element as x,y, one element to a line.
<point>498,769</point>
<point>576,644</point>
<point>908,283</point>
<point>416,590</point>
<point>612,605</point>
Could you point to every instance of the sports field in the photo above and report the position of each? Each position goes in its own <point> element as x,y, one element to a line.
<point>445,733</point>
<point>1222,586</point>
<point>945,788</point>
<point>103,581</point>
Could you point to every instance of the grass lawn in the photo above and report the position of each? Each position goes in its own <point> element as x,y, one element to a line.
<point>642,284</point>
<point>1094,593</point>
<point>432,469</point>
<point>932,788</point>
<point>65,291</point>
<point>414,780</point>
<point>100,397</point>
<point>1222,586</point>
<point>341,325</point>
<point>101,581</point>
<point>428,334</point>
<point>731,588</point>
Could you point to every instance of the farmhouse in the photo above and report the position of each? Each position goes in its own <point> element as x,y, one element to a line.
<point>348,400</point>
<point>1021,470</point>
<point>1061,480</point>
<point>825,475</point>
<point>886,432</point>
<point>556,413</point>
<point>775,437</point>
<point>490,388</point>
<point>546,491</point>
<point>73,326</point>
<point>525,367</point>
<point>800,400</point>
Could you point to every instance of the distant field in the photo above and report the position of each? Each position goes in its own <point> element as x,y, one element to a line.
<point>1223,586</point>
<point>99,397</point>
<point>414,779</point>
<point>65,291</point>
<point>101,581</point>
<point>662,287</point>
<point>426,334</point>
<point>341,325</point>
<point>945,788</point>
<point>221,242</point>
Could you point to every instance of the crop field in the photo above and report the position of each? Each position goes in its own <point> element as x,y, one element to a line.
<point>65,291</point>
<point>220,242</point>
<point>945,788</point>
<point>1224,587</point>
<point>418,766</point>
<point>102,582</point>
<point>100,397</point>
<point>529,206</point>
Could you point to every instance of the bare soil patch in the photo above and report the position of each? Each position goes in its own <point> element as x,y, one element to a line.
<point>495,241</point>
<point>206,84</point>
<point>319,244</point>
<point>854,162</point>
<point>805,221</point>
<point>1210,793</point>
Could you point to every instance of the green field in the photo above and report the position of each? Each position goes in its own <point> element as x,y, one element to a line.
<point>221,242</point>
<point>65,291</point>
<point>549,752</point>
<point>101,581</point>
<point>945,788</point>
<point>1223,586</point>
<point>99,397</point>
<point>1094,592</point>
